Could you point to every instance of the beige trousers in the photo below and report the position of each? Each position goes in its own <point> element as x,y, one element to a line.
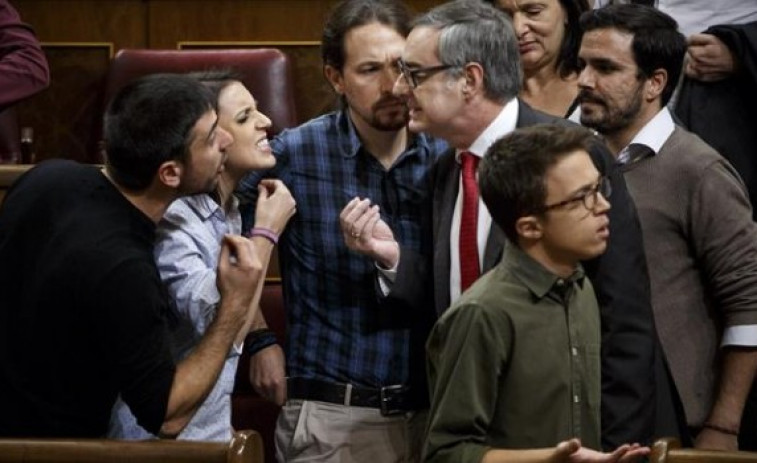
<point>310,431</point>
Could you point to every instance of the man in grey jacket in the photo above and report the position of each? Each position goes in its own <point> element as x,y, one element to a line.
<point>699,237</point>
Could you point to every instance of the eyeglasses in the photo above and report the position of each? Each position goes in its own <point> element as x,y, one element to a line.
<point>415,77</point>
<point>589,198</point>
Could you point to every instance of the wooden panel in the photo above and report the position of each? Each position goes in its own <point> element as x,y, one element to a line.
<point>164,23</point>
<point>174,21</point>
<point>65,116</point>
<point>122,22</point>
<point>78,38</point>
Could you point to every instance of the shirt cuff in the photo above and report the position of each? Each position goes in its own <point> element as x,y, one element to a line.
<point>386,278</point>
<point>740,335</point>
<point>236,349</point>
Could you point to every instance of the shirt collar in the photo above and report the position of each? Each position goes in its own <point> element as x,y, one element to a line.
<point>205,206</point>
<point>352,143</point>
<point>533,275</point>
<point>653,135</point>
<point>504,123</point>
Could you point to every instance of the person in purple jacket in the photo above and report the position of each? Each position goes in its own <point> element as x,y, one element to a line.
<point>23,66</point>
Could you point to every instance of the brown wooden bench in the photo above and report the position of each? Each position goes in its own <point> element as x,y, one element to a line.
<point>8,174</point>
<point>668,450</point>
<point>245,446</point>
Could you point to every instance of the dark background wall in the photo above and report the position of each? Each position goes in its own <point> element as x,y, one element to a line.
<point>80,37</point>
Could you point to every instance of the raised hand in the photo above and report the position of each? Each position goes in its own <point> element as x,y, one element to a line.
<point>365,232</point>
<point>571,451</point>
<point>709,59</point>
<point>275,205</point>
<point>239,270</point>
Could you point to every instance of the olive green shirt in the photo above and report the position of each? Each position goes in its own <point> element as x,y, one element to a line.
<point>514,363</point>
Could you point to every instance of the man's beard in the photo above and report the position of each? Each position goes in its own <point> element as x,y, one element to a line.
<point>389,114</point>
<point>610,120</point>
<point>195,182</point>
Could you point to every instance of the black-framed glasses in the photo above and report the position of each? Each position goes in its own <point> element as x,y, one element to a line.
<point>588,198</point>
<point>415,77</point>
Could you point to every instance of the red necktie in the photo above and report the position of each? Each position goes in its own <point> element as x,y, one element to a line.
<point>469,268</point>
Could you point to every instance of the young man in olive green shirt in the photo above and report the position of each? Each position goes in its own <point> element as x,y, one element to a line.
<point>514,364</point>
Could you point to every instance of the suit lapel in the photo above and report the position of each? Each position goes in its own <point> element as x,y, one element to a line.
<point>494,246</point>
<point>497,241</point>
<point>527,116</point>
<point>445,194</point>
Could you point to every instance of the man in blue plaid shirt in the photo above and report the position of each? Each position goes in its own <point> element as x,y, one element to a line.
<point>354,363</point>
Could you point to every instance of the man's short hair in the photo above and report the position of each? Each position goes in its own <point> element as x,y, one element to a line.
<point>473,31</point>
<point>349,14</point>
<point>657,43</point>
<point>511,176</point>
<point>149,122</point>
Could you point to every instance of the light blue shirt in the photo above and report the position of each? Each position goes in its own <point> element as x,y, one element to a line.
<point>186,251</point>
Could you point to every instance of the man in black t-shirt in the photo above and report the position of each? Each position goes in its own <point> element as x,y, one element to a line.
<point>81,303</point>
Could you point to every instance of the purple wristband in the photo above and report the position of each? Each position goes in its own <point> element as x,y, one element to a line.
<point>265,233</point>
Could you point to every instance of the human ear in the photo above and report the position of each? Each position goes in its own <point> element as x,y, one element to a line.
<point>529,228</point>
<point>656,84</point>
<point>170,172</point>
<point>474,79</point>
<point>334,76</point>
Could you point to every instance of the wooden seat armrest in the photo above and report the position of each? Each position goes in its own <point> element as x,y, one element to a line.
<point>668,450</point>
<point>245,446</point>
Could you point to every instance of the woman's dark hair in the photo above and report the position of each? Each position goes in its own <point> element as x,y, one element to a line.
<point>567,57</point>
<point>216,80</point>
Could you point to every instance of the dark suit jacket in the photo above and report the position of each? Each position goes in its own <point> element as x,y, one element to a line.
<point>619,276</point>
<point>724,113</point>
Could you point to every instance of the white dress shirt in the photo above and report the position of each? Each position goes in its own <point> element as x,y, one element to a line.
<point>503,124</point>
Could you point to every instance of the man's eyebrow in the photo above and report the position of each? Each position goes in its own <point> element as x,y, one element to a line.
<point>587,187</point>
<point>410,63</point>
<point>601,61</point>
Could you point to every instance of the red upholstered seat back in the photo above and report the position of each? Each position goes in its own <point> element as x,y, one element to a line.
<point>266,72</point>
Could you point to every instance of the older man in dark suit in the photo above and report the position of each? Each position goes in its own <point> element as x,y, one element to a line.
<point>460,78</point>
